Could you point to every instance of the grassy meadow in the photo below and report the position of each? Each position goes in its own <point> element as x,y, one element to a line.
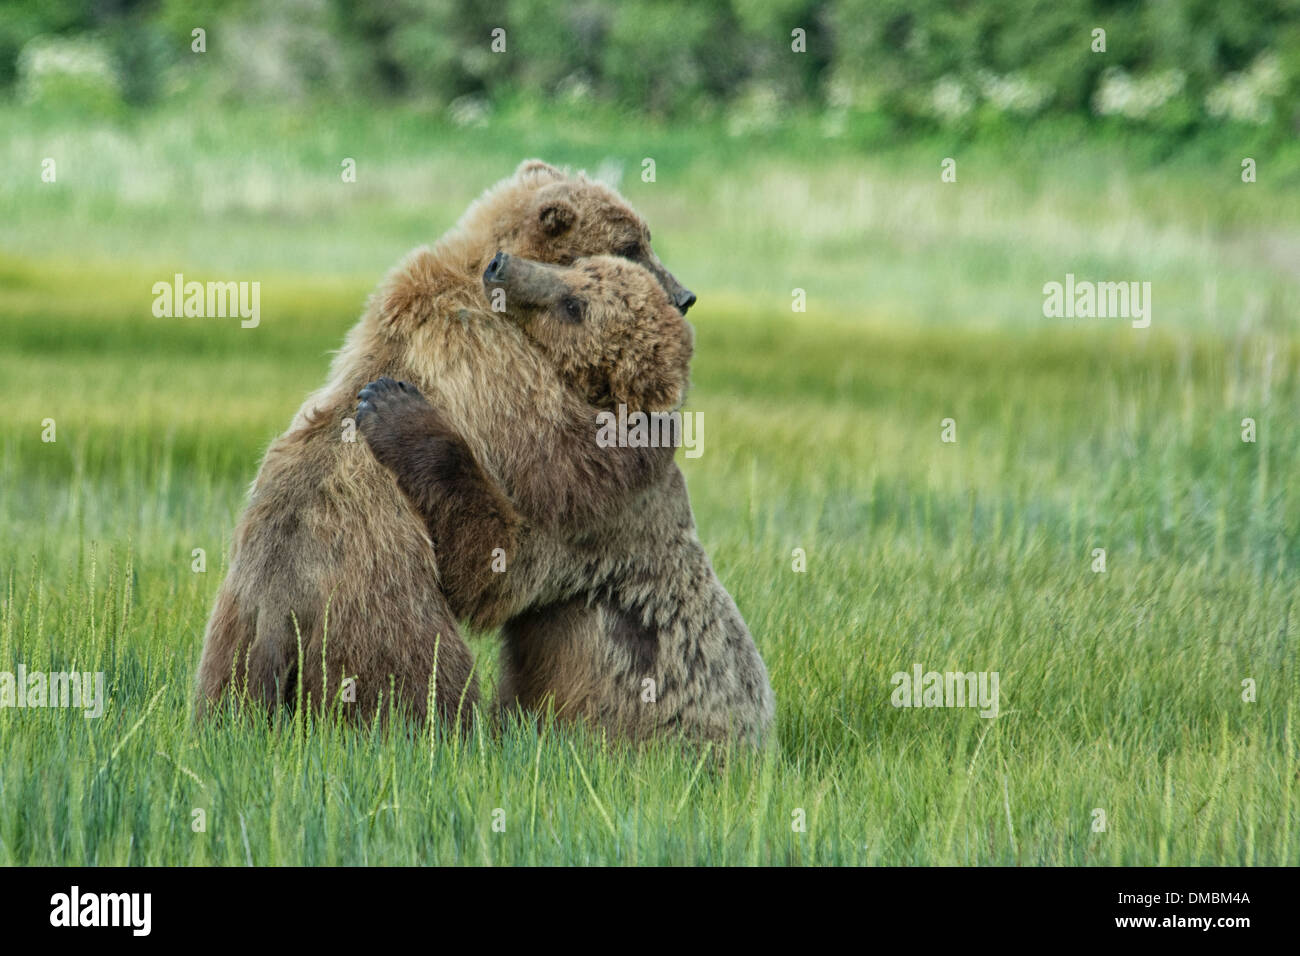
<point>1121,691</point>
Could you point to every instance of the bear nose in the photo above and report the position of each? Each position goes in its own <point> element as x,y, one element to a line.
<point>495,270</point>
<point>684,300</point>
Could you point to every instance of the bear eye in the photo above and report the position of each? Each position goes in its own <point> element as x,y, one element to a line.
<point>572,308</point>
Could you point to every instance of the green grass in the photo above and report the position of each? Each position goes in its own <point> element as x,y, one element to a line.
<point>1120,691</point>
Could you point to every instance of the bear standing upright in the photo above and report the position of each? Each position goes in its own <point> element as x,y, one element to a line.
<point>333,585</point>
<point>630,628</point>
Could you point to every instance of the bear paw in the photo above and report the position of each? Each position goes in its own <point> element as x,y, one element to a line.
<point>393,415</point>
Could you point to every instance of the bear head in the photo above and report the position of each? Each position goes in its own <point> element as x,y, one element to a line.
<point>606,324</point>
<point>545,215</point>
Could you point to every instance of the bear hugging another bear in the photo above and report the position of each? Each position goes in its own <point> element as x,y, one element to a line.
<point>350,569</point>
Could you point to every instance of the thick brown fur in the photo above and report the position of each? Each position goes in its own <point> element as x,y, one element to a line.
<point>332,574</point>
<point>630,628</point>
<point>654,646</point>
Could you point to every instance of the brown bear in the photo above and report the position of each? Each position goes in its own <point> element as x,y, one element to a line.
<point>333,590</point>
<point>630,628</point>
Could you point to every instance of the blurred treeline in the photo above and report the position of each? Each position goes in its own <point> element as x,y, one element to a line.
<point>1173,65</point>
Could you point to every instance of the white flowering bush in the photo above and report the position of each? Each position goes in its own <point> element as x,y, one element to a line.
<point>1136,97</point>
<point>950,100</point>
<point>1247,97</point>
<point>76,72</point>
<point>575,88</point>
<point>470,110</point>
<point>1013,93</point>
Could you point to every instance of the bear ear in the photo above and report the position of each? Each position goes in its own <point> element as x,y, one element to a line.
<point>537,172</point>
<point>557,217</point>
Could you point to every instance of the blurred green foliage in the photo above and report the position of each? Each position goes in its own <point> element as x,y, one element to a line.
<point>1175,65</point>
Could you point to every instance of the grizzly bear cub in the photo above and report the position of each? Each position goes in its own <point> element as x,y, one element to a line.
<point>333,593</point>
<point>611,333</point>
<point>630,628</point>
